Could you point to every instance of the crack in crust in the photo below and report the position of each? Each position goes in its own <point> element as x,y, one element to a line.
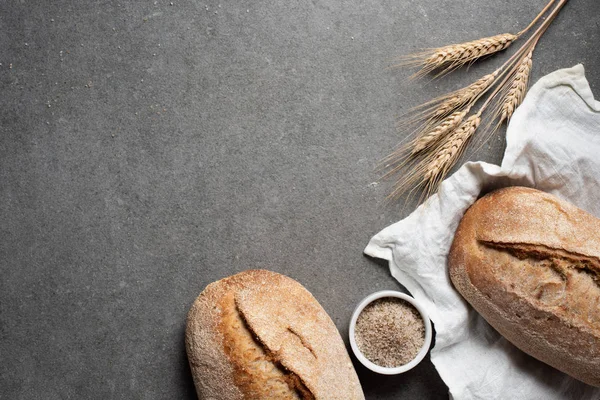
<point>293,380</point>
<point>541,252</point>
<point>303,341</point>
<point>556,280</point>
<point>560,260</point>
<point>256,360</point>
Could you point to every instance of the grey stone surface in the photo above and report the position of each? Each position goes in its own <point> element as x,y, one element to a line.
<point>148,148</point>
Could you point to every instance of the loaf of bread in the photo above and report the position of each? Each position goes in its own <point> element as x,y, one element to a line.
<point>529,263</point>
<point>262,335</point>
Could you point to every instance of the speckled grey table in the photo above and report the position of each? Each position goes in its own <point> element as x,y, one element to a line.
<point>148,148</point>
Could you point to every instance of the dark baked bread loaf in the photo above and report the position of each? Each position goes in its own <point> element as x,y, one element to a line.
<point>529,263</point>
<point>262,335</point>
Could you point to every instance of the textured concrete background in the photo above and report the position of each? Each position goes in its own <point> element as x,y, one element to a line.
<point>149,148</point>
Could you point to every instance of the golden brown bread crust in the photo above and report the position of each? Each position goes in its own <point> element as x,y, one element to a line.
<point>262,335</point>
<point>529,263</point>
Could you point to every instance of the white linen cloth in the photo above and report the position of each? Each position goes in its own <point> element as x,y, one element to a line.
<point>553,144</point>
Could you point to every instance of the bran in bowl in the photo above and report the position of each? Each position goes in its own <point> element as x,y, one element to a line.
<point>390,332</point>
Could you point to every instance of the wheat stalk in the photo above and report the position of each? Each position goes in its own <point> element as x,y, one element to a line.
<point>432,167</point>
<point>430,113</point>
<point>448,152</point>
<point>449,57</point>
<point>439,117</point>
<point>444,133</point>
<point>453,56</point>
<point>431,137</point>
<point>465,96</point>
<point>518,88</point>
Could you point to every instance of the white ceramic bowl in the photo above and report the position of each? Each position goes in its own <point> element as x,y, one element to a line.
<point>377,368</point>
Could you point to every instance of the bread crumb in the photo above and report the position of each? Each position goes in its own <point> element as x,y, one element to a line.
<point>389,332</point>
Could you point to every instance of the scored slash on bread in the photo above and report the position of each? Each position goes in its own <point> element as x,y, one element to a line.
<point>262,335</point>
<point>529,263</point>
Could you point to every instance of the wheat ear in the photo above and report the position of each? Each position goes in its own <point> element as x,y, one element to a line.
<point>443,114</point>
<point>518,88</point>
<point>424,116</point>
<point>432,136</point>
<point>429,171</point>
<point>466,95</point>
<point>448,152</point>
<point>448,58</point>
<point>439,117</point>
<point>519,79</point>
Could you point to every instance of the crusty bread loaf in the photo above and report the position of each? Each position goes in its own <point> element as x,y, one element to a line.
<point>529,263</point>
<point>262,335</point>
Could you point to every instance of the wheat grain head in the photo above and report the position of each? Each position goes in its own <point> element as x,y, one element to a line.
<point>448,58</point>
<point>517,89</point>
<point>448,152</point>
<point>432,136</point>
<point>464,96</point>
<point>423,117</point>
<point>431,169</point>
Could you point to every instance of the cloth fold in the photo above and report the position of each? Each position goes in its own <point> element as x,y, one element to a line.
<point>553,144</point>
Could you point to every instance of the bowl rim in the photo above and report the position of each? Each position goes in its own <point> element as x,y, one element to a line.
<point>420,355</point>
